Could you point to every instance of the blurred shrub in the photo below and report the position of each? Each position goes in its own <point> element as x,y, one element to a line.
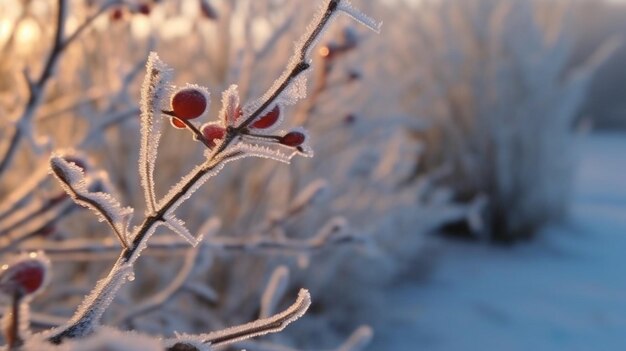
<point>494,83</point>
<point>595,21</point>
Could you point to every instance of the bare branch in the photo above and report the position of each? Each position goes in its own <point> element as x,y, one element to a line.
<point>274,291</point>
<point>37,87</point>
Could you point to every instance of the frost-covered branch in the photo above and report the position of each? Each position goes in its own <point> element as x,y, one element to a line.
<point>298,63</point>
<point>226,140</point>
<point>333,232</point>
<point>273,324</point>
<point>357,341</point>
<point>108,209</point>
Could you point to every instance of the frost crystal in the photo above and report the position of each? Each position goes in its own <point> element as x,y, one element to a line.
<point>105,206</point>
<point>249,150</point>
<point>178,226</point>
<point>346,7</point>
<point>230,106</point>
<point>154,91</point>
<point>189,184</point>
<point>88,314</point>
<point>273,324</point>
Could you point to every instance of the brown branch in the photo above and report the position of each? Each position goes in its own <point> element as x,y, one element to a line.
<point>37,88</point>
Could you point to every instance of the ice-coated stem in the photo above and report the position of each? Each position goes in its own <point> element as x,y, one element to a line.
<point>273,324</point>
<point>89,313</point>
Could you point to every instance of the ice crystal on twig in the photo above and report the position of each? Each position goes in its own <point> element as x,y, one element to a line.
<point>105,206</point>
<point>154,90</point>
<point>273,324</point>
<point>178,226</point>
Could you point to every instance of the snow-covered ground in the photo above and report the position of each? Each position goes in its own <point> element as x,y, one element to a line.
<point>564,291</point>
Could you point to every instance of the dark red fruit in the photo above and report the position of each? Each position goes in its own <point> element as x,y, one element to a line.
<point>25,276</point>
<point>177,123</point>
<point>117,14</point>
<point>267,120</point>
<point>212,132</point>
<point>292,139</point>
<point>189,103</point>
<point>144,9</point>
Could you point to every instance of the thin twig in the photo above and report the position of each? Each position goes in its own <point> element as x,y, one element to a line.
<point>264,326</point>
<point>37,88</point>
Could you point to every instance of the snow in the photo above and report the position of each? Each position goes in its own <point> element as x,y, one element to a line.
<point>566,290</point>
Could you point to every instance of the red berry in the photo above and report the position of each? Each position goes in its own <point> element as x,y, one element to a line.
<point>212,132</point>
<point>292,139</point>
<point>117,14</point>
<point>26,276</point>
<point>267,120</point>
<point>189,103</point>
<point>144,9</point>
<point>177,123</point>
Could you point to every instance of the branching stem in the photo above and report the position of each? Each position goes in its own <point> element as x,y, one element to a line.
<point>85,320</point>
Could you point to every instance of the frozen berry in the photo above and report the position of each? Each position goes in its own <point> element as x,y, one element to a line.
<point>267,120</point>
<point>189,103</point>
<point>212,132</point>
<point>177,123</point>
<point>117,14</point>
<point>292,139</point>
<point>144,9</point>
<point>26,276</point>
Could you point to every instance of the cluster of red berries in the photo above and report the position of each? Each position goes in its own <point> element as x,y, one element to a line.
<point>190,103</point>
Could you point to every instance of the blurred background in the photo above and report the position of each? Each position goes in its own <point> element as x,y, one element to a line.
<point>467,190</point>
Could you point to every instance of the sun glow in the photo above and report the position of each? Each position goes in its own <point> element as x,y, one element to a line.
<point>5,30</point>
<point>27,35</point>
